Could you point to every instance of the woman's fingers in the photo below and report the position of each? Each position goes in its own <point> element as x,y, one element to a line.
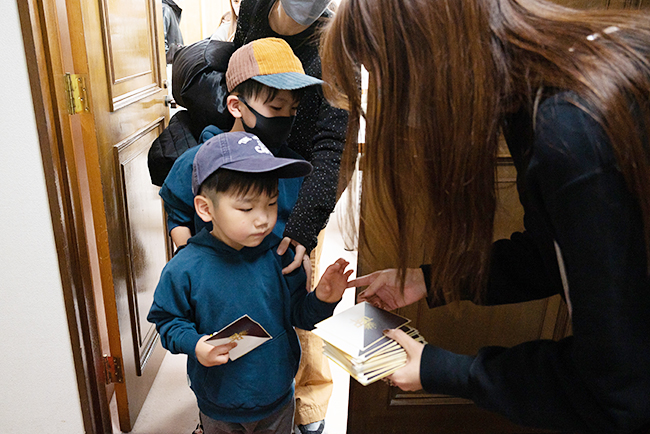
<point>364,280</point>
<point>401,338</point>
<point>408,377</point>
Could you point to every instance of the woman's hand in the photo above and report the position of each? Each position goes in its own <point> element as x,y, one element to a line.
<point>408,377</point>
<point>383,289</point>
<point>209,355</point>
<point>298,259</point>
<point>333,282</point>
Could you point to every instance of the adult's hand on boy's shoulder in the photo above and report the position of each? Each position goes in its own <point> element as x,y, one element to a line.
<point>209,355</point>
<point>300,251</point>
<point>333,282</point>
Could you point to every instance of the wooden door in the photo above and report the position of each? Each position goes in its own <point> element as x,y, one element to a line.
<point>112,53</point>
<point>122,49</point>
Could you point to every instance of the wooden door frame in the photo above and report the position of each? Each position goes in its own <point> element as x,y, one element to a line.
<point>61,147</point>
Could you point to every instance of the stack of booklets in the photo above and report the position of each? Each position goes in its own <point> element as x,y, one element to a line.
<point>354,339</point>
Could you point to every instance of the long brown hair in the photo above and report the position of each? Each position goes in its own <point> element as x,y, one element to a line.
<point>442,75</point>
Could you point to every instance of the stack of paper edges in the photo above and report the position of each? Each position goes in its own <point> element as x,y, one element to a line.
<point>354,340</point>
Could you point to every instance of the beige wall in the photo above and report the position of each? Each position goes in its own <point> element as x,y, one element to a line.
<point>37,375</point>
<point>200,18</point>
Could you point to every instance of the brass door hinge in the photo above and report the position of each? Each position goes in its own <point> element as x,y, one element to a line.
<point>113,369</point>
<point>76,94</point>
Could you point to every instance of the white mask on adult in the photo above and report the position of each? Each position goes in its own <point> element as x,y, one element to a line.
<point>305,12</point>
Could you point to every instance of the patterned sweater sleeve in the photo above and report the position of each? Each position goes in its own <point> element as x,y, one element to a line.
<point>317,196</point>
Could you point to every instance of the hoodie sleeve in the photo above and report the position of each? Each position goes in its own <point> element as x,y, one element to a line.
<point>176,192</point>
<point>172,313</point>
<point>306,308</point>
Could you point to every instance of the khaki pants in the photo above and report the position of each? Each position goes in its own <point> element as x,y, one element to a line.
<point>314,379</point>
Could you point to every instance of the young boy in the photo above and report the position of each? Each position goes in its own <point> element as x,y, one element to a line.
<point>265,80</point>
<point>235,270</point>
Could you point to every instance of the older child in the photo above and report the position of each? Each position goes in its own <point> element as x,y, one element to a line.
<point>265,80</point>
<point>235,270</point>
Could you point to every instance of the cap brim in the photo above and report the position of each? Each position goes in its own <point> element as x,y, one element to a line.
<point>288,80</point>
<point>280,167</point>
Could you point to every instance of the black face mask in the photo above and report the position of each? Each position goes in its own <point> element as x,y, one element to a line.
<point>273,132</point>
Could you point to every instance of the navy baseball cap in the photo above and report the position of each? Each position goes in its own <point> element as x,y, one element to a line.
<point>242,152</point>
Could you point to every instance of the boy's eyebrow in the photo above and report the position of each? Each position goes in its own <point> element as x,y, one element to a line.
<point>250,198</point>
<point>284,99</point>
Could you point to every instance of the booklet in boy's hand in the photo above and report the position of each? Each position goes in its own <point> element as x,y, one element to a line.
<point>245,332</point>
<point>354,339</point>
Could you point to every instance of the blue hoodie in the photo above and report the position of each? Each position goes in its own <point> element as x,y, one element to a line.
<point>207,286</point>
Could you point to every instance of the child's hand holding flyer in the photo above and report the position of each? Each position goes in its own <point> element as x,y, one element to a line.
<point>244,333</point>
<point>209,355</point>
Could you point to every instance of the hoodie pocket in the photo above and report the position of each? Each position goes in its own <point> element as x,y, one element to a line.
<point>255,380</point>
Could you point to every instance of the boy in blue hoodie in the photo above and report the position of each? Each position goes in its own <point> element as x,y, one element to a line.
<point>233,270</point>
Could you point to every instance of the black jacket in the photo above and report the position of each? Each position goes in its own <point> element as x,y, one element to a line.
<point>598,379</point>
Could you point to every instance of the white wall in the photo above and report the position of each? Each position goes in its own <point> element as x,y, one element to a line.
<point>37,378</point>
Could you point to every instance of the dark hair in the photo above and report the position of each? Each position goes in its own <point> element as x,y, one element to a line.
<point>239,183</point>
<point>251,89</point>
<point>442,74</point>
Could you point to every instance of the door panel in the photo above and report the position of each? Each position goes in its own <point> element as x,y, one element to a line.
<point>143,222</point>
<point>130,50</point>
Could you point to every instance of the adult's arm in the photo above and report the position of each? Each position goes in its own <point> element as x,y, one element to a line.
<point>317,196</point>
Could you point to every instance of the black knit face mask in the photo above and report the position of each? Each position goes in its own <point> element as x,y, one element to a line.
<point>273,132</point>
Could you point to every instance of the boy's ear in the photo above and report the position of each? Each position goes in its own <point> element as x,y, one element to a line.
<point>232,102</point>
<point>202,207</point>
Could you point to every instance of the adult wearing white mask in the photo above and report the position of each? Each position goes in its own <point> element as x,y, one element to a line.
<point>318,135</point>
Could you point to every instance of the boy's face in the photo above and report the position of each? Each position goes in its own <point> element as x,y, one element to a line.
<point>243,220</point>
<point>283,105</point>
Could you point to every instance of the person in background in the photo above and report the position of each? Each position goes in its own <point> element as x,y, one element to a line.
<point>319,131</point>
<point>171,22</point>
<point>569,90</point>
<point>318,135</point>
<point>234,270</point>
<point>228,25</point>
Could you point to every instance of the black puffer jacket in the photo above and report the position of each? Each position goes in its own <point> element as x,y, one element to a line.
<point>172,142</point>
<point>199,85</point>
